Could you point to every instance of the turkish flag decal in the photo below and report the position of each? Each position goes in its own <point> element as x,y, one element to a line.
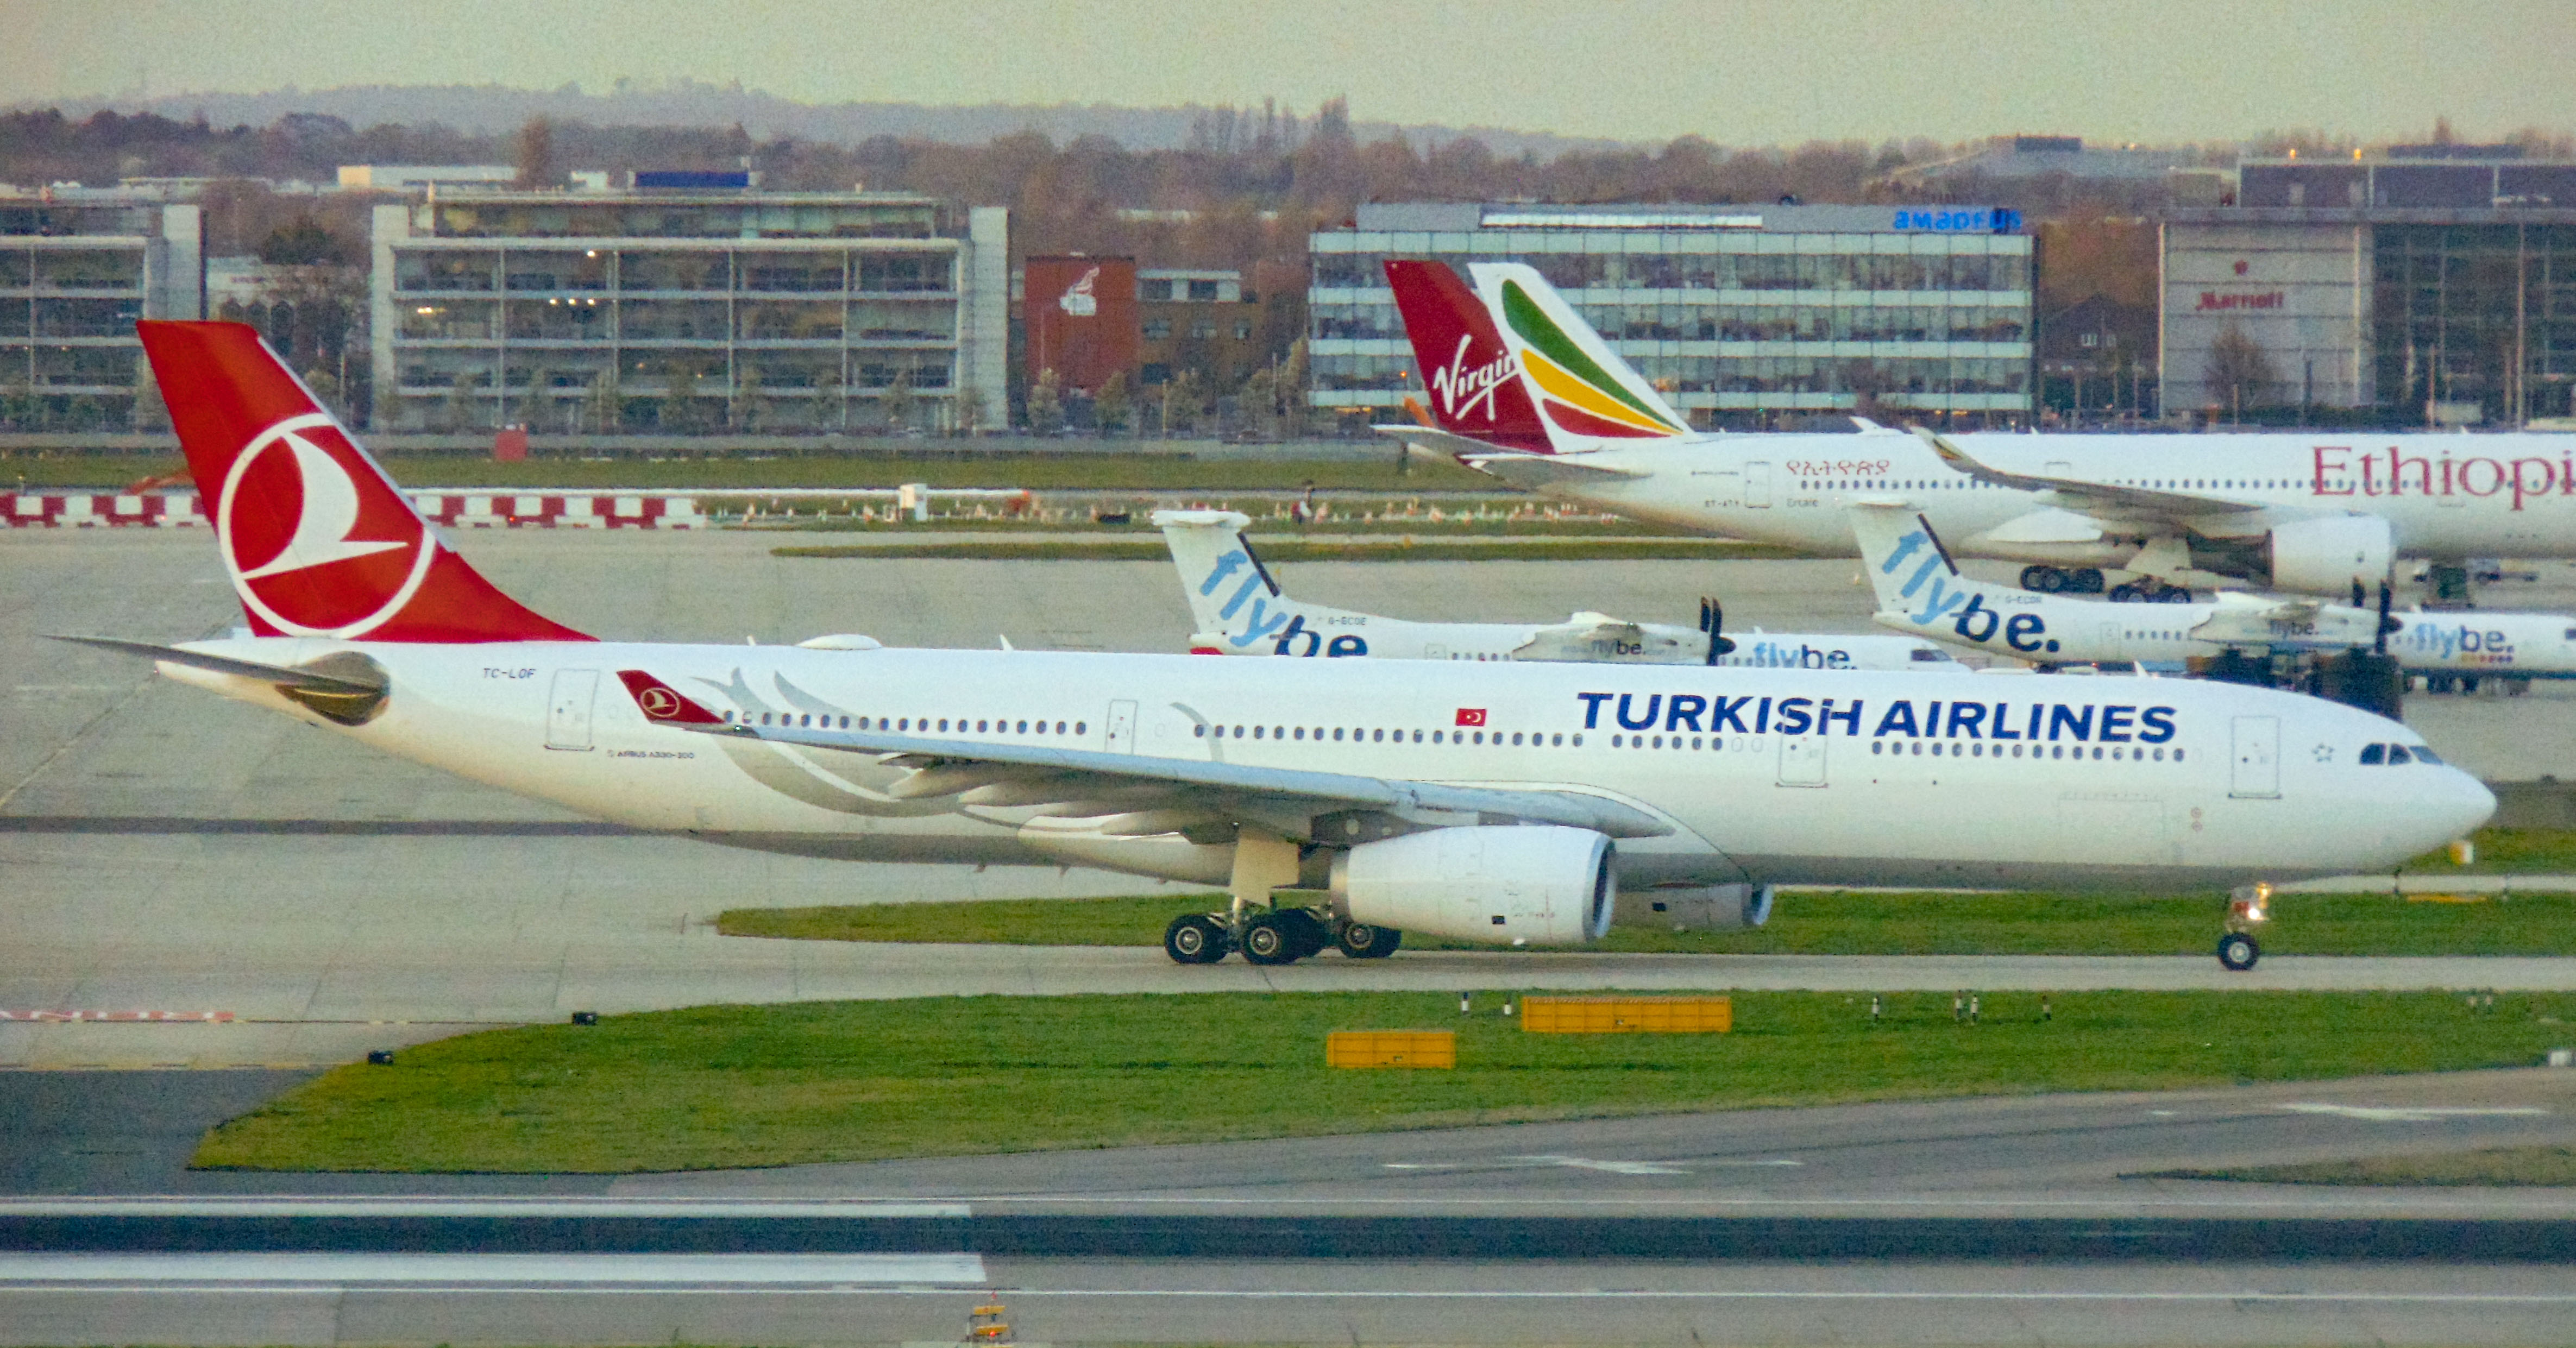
<point>1471,716</point>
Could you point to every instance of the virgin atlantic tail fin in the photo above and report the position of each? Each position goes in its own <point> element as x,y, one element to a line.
<point>317,540</point>
<point>1467,372</point>
<point>1582,386</point>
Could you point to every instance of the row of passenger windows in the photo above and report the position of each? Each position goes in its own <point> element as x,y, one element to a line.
<point>919,724</point>
<point>1966,749</point>
<point>1381,735</point>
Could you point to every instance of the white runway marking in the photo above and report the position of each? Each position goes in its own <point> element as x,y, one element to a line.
<point>1580,1163</point>
<point>473,1207</point>
<point>2412,1113</point>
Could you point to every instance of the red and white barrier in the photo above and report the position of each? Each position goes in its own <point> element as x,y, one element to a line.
<point>489,508</point>
<point>84,510</point>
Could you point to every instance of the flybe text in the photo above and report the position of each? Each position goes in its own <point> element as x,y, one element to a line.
<point>1936,718</point>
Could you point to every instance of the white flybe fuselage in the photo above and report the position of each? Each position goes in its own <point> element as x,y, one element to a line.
<point>1764,776</point>
<point>2444,496</point>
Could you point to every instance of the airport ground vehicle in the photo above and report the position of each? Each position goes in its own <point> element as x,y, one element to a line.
<point>1503,802</point>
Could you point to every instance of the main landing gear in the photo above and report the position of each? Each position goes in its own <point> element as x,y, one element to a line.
<point>1265,930</point>
<point>2248,907</point>
<point>1279,936</point>
<point>2149,590</point>
<point>2061,580</point>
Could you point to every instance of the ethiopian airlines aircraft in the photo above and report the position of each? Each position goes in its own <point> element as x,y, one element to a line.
<point>1240,610</point>
<point>1500,802</point>
<point>1521,387</point>
<point>1920,591</point>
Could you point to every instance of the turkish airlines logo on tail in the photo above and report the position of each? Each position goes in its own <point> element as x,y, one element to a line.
<point>1461,390</point>
<point>659,704</point>
<point>317,542</point>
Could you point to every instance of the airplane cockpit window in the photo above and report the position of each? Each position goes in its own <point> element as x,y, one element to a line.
<point>2397,754</point>
<point>2372,755</point>
<point>1926,656</point>
<point>2424,755</point>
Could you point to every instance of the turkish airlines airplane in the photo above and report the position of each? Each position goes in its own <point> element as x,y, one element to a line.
<point>1504,802</point>
<point>1921,591</point>
<point>1518,385</point>
<point>1240,610</point>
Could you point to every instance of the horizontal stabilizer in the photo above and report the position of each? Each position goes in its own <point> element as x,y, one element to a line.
<point>224,664</point>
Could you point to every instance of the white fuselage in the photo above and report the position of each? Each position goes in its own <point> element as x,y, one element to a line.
<point>2444,496</point>
<point>1765,776</point>
<point>2054,629</point>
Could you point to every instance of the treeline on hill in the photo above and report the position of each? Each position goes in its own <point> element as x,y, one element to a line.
<point>1256,181</point>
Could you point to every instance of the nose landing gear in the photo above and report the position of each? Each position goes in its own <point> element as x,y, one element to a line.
<point>2248,907</point>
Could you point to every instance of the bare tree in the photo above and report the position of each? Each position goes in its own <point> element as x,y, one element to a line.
<point>2239,371</point>
<point>1046,403</point>
<point>536,158</point>
<point>1112,405</point>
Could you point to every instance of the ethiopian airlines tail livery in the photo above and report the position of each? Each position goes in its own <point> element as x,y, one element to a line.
<point>2305,512</point>
<point>1500,802</point>
<point>1240,609</point>
<point>1921,591</point>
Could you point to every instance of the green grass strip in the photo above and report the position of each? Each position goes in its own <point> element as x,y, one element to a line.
<point>2492,1167</point>
<point>1061,472</point>
<point>1294,550</point>
<point>862,1081</point>
<point>1805,923</point>
<point>2508,851</point>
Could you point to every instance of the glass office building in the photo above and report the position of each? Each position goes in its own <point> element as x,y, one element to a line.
<point>693,311</point>
<point>1740,314</point>
<point>2433,286</point>
<point>77,268</point>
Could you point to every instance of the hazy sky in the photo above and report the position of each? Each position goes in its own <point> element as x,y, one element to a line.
<point>1736,71</point>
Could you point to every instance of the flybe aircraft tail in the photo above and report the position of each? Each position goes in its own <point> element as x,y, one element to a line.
<point>1585,392</point>
<point>317,540</point>
<point>1913,574</point>
<point>1467,372</point>
<point>1236,608</point>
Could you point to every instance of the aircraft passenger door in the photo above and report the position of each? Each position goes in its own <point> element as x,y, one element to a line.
<point>1757,485</point>
<point>2114,647</point>
<point>1802,760</point>
<point>1122,727</point>
<point>2257,763</point>
<point>568,709</point>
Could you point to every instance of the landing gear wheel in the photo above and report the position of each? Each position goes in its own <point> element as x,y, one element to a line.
<point>1312,935</point>
<point>1194,938</point>
<point>1271,938</point>
<point>2088,580</point>
<point>2175,594</point>
<point>2237,951</point>
<point>1361,941</point>
<point>2127,592</point>
<point>2044,579</point>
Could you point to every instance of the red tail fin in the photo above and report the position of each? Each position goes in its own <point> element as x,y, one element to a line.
<point>1473,383</point>
<point>319,542</point>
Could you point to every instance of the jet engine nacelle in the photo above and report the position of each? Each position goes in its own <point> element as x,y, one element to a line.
<point>1508,885</point>
<point>2327,555</point>
<point>1698,908</point>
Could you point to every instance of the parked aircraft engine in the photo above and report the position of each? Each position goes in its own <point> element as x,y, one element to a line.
<point>1696,908</point>
<point>1538,884</point>
<point>2327,555</point>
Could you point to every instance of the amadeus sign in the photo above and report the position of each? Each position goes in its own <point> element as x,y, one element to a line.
<point>1959,220</point>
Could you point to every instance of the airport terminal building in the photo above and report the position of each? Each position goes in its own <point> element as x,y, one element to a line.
<point>1741,314</point>
<point>2433,286</point>
<point>688,303</point>
<point>77,268</point>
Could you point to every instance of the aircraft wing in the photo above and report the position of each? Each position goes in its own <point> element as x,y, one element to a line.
<point>2095,498</point>
<point>1033,775</point>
